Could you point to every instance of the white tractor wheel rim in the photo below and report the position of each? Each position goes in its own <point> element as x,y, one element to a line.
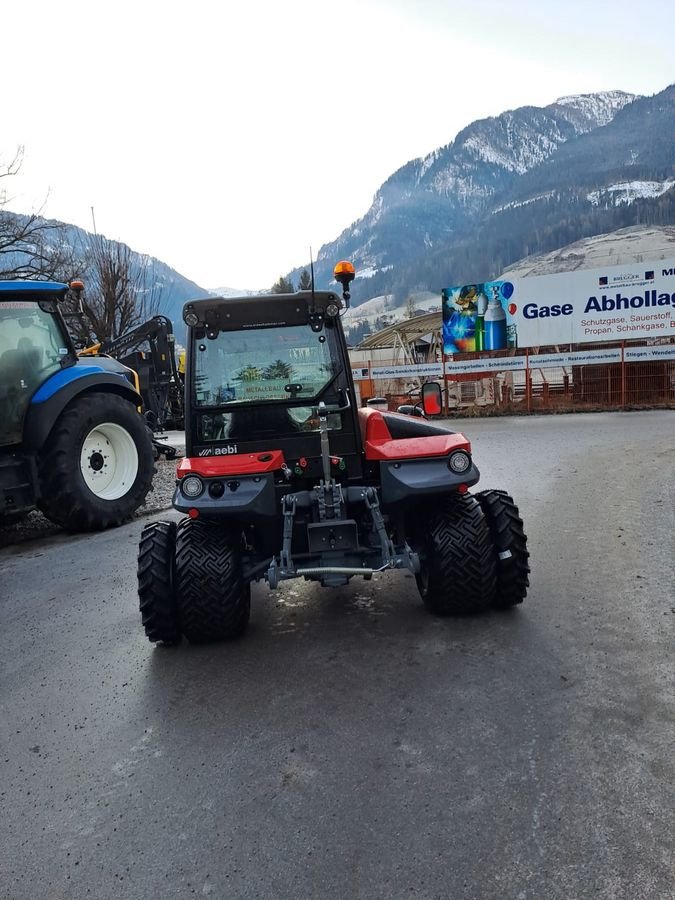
<point>109,461</point>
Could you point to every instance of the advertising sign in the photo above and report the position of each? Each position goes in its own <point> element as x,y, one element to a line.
<point>478,317</point>
<point>609,304</point>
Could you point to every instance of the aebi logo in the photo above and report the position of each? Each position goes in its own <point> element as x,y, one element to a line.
<point>230,450</point>
<point>225,451</point>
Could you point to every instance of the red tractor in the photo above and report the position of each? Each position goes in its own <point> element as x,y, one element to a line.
<point>284,477</point>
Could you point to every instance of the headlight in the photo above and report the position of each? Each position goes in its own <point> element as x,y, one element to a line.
<point>192,486</point>
<point>459,461</point>
<point>191,319</point>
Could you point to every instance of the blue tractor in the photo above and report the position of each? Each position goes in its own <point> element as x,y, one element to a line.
<point>72,440</point>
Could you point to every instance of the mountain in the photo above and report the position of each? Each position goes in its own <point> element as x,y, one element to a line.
<point>527,181</point>
<point>231,292</point>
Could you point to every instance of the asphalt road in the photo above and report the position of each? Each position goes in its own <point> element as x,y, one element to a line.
<point>352,746</point>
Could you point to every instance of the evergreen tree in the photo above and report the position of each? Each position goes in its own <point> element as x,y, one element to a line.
<point>305,282</point>
<point>278,369</point>
<point>283,286</point>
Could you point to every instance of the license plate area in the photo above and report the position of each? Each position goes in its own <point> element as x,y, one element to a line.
<point>337,534</point>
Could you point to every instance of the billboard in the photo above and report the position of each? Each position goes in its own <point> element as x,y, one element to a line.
<point>609,304</point>
<point>478,317</point>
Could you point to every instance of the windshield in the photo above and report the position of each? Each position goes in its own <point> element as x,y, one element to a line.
<point>289,363</point>
<point>31,349</point>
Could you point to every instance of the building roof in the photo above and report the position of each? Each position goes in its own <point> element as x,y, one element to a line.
<point>419,329</point>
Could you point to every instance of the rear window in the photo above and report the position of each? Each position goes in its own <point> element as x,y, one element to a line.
<point>289,362</point>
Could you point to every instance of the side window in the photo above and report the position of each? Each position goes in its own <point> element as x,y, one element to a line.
<point>29,354</point>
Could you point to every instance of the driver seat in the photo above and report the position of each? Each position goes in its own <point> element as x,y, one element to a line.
<point>22,363</point>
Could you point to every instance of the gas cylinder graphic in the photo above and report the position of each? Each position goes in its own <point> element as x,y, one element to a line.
<point>481,307</point>
<point>495,323</point>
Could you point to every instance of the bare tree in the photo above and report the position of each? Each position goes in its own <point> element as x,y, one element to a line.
<point>121,288</point>
<point>30,246</point>
<point>410,310</point>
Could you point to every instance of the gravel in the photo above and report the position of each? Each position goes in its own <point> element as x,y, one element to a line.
<point>34,525</point>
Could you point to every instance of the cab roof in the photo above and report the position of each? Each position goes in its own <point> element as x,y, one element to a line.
<point>260,310</point>
<point>40,290</point>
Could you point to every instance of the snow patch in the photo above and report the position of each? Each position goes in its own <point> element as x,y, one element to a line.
<point>629,191</point>
<point>427,163</point>
<point>602,107</point>
<point>516,203</point>
<point>369,271</point>
<point>489,154</point>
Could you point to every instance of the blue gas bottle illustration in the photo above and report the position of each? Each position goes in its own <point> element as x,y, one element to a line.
<point>495,322</point>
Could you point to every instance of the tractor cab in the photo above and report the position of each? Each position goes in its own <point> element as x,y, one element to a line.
<point>272,373</point>
<point>34,345</point>
<point>259,368</point>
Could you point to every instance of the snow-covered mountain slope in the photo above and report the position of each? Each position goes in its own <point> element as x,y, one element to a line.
<point>232,292</point>
<point>623,247</point>
<point>599,108</point>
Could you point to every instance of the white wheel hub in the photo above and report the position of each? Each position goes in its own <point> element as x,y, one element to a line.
<point>109,461</point>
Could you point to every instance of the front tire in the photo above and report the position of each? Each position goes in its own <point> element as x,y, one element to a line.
<point>97,466</point>
<point>156,553</point>
<point>510,543</point>
<point>458,564</point>
<point>214,603</point>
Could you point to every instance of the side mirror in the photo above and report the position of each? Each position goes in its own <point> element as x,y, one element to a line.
<point>432,400</point>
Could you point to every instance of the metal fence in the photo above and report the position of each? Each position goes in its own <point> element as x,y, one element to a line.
<point>591,376</point>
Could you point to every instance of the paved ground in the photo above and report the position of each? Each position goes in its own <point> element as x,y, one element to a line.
<point>352,746</point>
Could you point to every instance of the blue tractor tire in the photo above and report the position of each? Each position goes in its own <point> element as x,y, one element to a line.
<point>96,466</point>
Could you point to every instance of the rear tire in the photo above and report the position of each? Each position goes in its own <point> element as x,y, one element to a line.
<point>213,601</point>
<point>510,543</point>
<point>97,467</point>
<point>156,553</point>
<point>458,559</point>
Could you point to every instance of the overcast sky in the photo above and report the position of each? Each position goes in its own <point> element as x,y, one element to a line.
<point>225,138</point>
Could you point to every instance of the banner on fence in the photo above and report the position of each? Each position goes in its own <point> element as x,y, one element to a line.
<point>650,354</point>
<point>425,370</point>
<point>662,352</point>
<point>588,305</point>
